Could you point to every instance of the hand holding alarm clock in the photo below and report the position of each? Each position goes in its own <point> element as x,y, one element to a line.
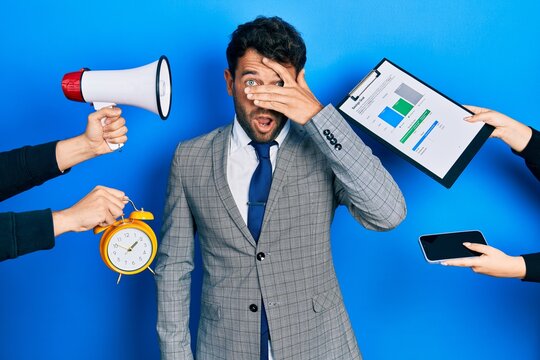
<point>128,246</point>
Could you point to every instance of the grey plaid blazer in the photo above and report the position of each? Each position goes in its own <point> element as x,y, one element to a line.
<point>313,175</point>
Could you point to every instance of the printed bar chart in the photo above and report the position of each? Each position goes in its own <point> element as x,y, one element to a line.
<point>408,98</point>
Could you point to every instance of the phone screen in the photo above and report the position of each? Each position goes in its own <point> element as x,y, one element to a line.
<point>450,245</point>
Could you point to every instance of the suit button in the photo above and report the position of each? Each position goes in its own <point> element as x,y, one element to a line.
<point>333,141</point>
<point>330,137</point>
<point>326,132</point>
<point>338,147</point>
<point>260,256</point>
<point>253,308</point>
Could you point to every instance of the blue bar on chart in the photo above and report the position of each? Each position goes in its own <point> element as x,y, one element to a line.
<point>391,117</point>
<point>425,135</point>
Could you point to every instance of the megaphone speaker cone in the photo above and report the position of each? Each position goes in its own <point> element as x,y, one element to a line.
<point>163,87</point>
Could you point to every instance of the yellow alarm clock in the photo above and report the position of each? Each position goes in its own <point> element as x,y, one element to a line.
<point>129,245</point>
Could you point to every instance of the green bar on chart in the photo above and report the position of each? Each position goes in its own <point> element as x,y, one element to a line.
<point>415,125</point>
<point>402,107</point>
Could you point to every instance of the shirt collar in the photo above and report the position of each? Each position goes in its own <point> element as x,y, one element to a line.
<point>240,138</point>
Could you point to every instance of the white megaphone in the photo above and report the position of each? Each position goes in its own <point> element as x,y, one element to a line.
<point>148,87</point>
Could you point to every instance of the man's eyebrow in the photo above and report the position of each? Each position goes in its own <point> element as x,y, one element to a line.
<point>256,73</point>
<point>249,72</point>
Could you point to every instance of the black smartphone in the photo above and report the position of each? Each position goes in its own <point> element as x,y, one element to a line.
<point>445,246</point>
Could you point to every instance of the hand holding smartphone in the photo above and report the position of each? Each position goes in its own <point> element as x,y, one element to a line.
<point>446,246</point>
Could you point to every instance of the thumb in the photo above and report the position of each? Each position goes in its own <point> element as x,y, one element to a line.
<point>487,117</point>
<point>476,109</point>
<point>481,248</point>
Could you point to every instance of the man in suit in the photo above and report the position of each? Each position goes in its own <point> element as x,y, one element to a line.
<point>261,194</point>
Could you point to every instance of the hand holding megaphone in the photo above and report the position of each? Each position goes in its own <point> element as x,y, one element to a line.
<point>105,129</point>
<point>148,87</point>
<point>105,121</point>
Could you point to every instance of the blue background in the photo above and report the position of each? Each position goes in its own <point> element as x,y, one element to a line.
<point>64,303</point>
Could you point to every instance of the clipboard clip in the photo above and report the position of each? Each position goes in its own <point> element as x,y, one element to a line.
<point>364,84</point>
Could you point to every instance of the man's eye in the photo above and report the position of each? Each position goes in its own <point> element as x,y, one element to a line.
<point>251,83</point>
<point>280,83</point>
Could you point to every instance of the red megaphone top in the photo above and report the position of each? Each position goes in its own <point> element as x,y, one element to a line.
<point>71,85</point>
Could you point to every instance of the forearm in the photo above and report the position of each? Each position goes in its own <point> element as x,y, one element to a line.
<point>517,136</point>
<point>24,168</point>
<point>73,151</point>
<point>362,183</point>
<point>62,223</point>
<point>22,233</point>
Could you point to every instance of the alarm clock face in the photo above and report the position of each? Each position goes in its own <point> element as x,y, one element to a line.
<point>129,249</point>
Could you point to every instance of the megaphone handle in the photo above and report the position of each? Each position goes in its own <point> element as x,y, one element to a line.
<point>99,106</point>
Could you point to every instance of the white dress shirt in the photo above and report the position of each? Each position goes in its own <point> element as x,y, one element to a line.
<point>242,162</point>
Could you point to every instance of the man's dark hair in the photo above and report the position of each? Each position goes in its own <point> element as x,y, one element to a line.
<point>271,37</point>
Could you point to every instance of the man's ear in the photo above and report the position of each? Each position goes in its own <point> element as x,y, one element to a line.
<point>230,81</point>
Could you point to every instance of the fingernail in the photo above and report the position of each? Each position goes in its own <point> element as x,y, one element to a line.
<point>256,102</point>
<point>466,243</point>
<point>249,96</point>
<point>264,59</point>
<point>467,118</point>
<point>247,90</point>
<point>108,121</point>
<point>444,264</point>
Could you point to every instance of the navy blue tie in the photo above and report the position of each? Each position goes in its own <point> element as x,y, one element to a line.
<point>259,188</point>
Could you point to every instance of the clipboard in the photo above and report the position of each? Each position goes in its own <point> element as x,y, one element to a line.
<point>414,120</point>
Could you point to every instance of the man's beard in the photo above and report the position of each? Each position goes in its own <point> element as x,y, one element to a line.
<point>244,121</point>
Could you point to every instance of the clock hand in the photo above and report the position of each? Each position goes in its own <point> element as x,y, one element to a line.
<point>132,246</point>
<point>123,247</point>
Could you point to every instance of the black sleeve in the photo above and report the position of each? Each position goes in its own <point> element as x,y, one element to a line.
<point>24,168</point>
<point>531,154</point>
<point>22,233</point>
<point>532,264</point>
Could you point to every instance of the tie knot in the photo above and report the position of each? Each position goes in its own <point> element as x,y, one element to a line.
<point>263,149</point>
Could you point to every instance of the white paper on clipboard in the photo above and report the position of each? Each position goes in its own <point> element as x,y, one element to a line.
<point>418,121</point>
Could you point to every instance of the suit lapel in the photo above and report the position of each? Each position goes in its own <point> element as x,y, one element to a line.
<point>220,150</point>
<point>285,156</point>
